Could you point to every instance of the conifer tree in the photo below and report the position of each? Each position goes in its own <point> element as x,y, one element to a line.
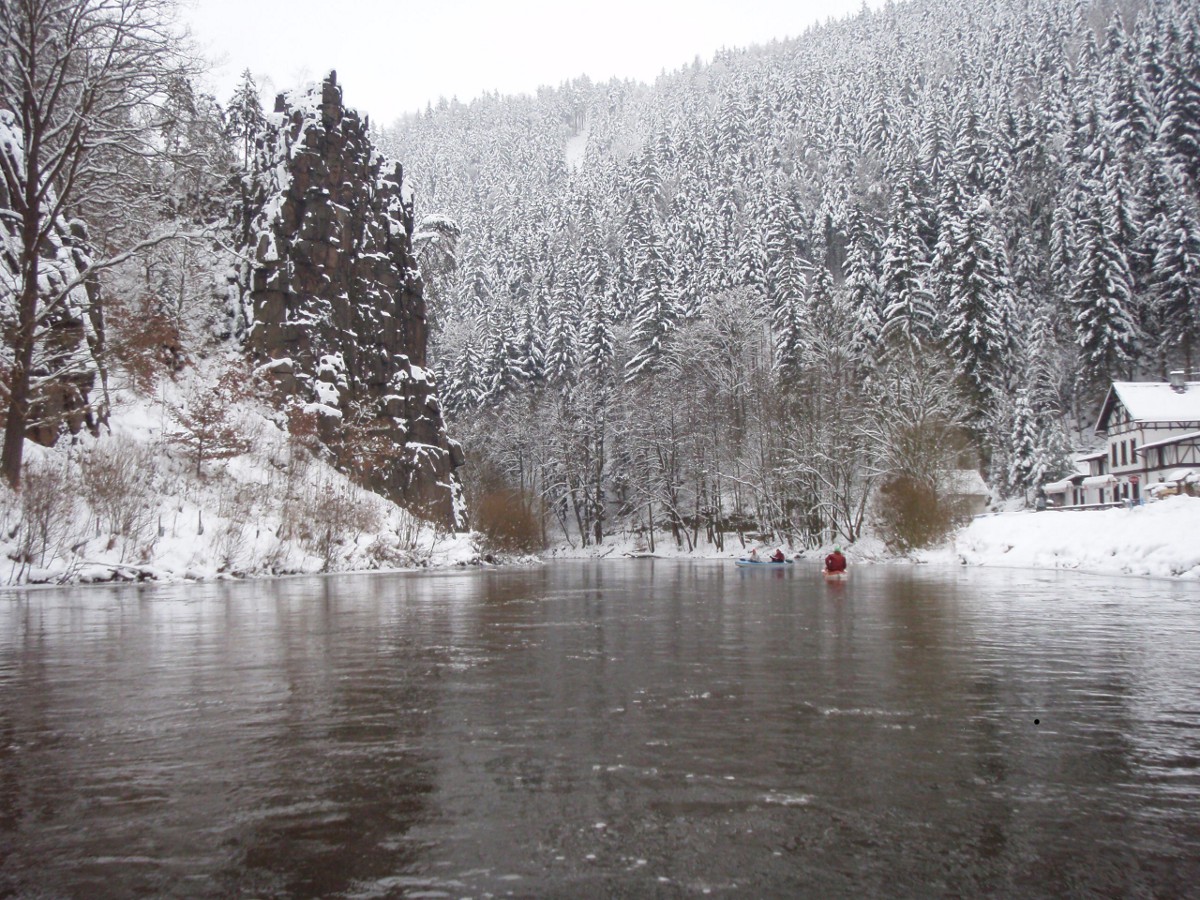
<point>1101,300</point>
<point>1179,126</point>
<point>1177,268</point>
<point>909,304</point>
<point>864,283</point>
<point>978,296</point>
<point>244,115</point>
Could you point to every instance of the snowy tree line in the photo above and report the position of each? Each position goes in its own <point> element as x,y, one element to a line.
<point>703,298</point>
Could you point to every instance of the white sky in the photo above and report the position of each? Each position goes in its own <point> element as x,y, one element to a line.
<point>393,57</point>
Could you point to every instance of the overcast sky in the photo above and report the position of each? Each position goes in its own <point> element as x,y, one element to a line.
<point>393,57</point>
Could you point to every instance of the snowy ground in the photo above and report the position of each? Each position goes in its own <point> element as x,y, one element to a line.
<point>131,505</point>
<point>1161,538</point>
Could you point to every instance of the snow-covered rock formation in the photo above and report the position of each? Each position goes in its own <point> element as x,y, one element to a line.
<point>332,305</point>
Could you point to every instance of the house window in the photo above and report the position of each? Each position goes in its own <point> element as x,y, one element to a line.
<point>1124,453</point>
<point>1114,455</point>
<point>1133,450</point>
<point>1162,457</point>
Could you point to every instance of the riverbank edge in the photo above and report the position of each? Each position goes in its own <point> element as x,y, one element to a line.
<point>1156,540</point>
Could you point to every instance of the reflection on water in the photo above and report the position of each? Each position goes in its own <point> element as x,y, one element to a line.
<point>596,729</point>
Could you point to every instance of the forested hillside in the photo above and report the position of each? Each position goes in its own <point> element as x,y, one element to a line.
<point>800,286</point>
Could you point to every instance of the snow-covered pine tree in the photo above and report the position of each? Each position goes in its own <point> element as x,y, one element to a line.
<point>1101,300</point>
<point>864,283</point>
<point>909,307</point>
<point>1025,462</point>
<point>979,297</point>
<point>597,340</point>
<point>1177,286</point>
<point>1179,126</point>
<point>561,358</point>
<point>244,114</point>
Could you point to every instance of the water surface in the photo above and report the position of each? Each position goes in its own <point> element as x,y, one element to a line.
<point>643,728</point>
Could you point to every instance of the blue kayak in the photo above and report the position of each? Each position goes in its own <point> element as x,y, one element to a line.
<point>761,562</point>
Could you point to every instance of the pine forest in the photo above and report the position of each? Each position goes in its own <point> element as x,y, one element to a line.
<point>804,287</point>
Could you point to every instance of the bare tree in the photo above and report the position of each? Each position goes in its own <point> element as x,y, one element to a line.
<point>82,84</point>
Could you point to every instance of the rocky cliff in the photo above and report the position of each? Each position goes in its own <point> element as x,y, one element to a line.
<point>332,307</point>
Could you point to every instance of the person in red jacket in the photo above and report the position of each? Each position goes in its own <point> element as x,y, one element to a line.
<point>835,562</point>
<point>777,556</point>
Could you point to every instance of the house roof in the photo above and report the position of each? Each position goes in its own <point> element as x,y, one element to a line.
<point>1064,484</point>
<point>966,482</point>
<point>1152,401</point>
<point>1190,438</point>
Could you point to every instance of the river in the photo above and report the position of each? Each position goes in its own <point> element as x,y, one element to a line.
<point>633,728</point>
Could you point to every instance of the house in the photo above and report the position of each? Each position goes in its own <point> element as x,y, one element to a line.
<point>968,489</point>
<point>1151,432</point>
<point>1069,491</point>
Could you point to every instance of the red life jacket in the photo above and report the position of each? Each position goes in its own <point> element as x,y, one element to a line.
<point>835,562</point>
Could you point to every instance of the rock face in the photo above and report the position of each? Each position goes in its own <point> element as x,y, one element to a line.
<point>332,305</point>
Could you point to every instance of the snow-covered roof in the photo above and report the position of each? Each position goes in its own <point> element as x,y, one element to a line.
<point>1183,475</point>
<point>1152,401</point>
<point>1190,437</point>
<point>1098,480</point>
<point>1099,454</point>
<point>966,482</point>
<point>1063,484</point>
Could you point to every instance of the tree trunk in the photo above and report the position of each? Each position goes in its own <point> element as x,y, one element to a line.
<point>22,344</point>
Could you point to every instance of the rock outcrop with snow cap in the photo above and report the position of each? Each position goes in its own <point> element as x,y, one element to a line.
<point>332,306</point>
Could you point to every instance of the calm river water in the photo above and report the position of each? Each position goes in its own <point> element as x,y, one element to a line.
<point>635,728</point>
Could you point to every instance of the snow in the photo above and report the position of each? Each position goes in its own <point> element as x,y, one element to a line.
<point>1155,401</point>
<point>1155,540</point>
<point>327,394</point>
<point>576,149</point>
<point>1158,539</point>
<point>269,511</point>
<point>1166,442</point>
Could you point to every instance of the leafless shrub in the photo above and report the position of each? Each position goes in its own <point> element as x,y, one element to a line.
<point>411,531</point>
<point>505,519</point>
<point>229,544</point>
<point>47,500</point>
<point>118,484</point>
<point>404,543</point>
<point>329,516</point>
<point>912,513</point>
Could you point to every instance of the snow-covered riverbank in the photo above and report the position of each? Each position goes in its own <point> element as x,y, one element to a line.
<point>1158,539</point>
<point>135,505</point>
